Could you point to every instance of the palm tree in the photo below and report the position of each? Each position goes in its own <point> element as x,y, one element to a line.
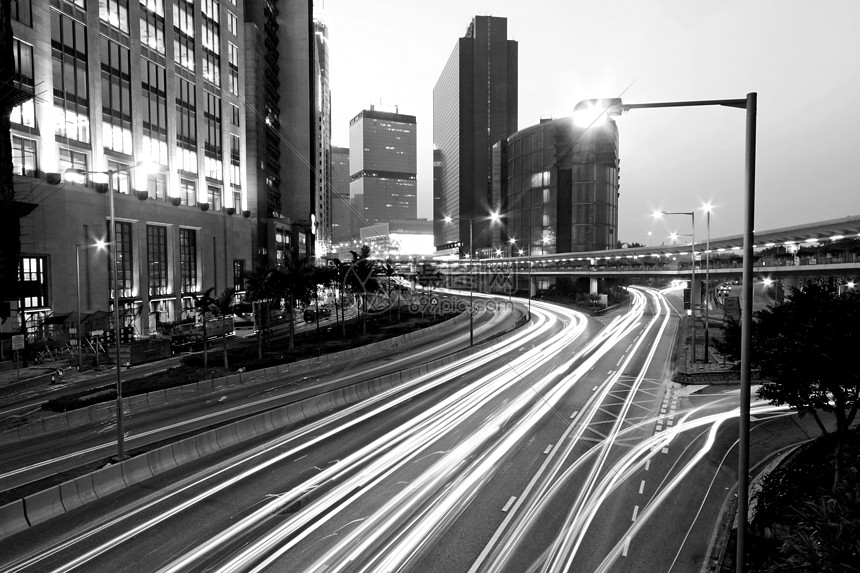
<point>293,284</point>
<point>390,271</point>
<point>258,290</point>
<point>360,278</point>
<point>222,306</point>
<point>203,304</point>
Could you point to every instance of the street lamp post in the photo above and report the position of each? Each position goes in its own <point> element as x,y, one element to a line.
<point>78,298</point>
<point>692,215</point>
<point>471,288</point>
<point>590,113</point>
<point>78,175</point>
<point>707,208</point>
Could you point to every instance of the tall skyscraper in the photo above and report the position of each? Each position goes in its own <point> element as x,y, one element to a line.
<point>474,106</point>
<point>383,165</point>
<point>293,128</point>
<point>118,83</point>
<point>322,105</point>
<point>340,207</point>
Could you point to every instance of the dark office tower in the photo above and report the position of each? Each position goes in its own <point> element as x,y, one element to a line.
<point>558,186</point>
<point>322,106</point>
<point>340,209</point>
<point>474,106</point>
<point>287,124</point>
<point>383,165</point>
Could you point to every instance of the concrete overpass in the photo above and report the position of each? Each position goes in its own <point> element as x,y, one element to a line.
<point>824,248</point>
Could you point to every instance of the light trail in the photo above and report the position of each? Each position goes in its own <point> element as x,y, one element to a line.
<point>347,418</point>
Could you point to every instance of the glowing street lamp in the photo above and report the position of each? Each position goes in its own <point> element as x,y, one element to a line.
<point>592,112</point>
<point>79,176</point>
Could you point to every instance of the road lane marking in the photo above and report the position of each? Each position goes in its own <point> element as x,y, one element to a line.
<point>509,504</point>
<point>628,348</point>
<point>626,546</point>
<point>635,512</point>
<point>548,449</point>
<point>641,486</point>
<point>665,450</point>
<point>575,412</point>
<point>620,360</point>
<point>593,389</point>
<point>647,464</point>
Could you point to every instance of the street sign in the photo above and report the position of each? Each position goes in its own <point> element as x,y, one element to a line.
<point>17,342</point>
<point>97,333</point>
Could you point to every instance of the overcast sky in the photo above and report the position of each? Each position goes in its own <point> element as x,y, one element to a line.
<point>803,59</point>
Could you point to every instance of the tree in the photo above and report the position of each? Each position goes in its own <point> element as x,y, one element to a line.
<point>293,283</point>
<point>203,304</point>
<point>258,289</point>
<point>390,271</point>
<point>806,350</point>
<point>222,306</point>
<point>729,344</point>
<point>360,278</point>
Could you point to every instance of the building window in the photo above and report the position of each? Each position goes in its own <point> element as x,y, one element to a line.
<point>154,149</point>
<point>239,275</point>
<point>32,273</point>
<point>183,17</point>
<point>183,50</point>
<point>233,67</point>
<point>188,260</point>
<point>232,23</point>
<point>71,97</point>
<point>212,67</point>
<point>156,259</point>
<point>120,177</point>
<point>115,13</point>
<point>234,114</point>
<point>152,25</point>
<point>235,169</point>
<point>156,186</point>
<point>22,11</point>
<point>72,160</point>
<point>154,88</point>
<point>214,197</point>
<point>212,10</point>
<point>125,267</point>
<point>24,156</point>
<point>186,114</point>
<point>116,96</point>
<point>187,192</point>
<point>186,159</point>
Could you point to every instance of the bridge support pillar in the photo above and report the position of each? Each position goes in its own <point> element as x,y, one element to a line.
<point>592,285</point>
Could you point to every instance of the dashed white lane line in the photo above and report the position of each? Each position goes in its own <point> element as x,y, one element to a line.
<point>647,464</point>
<point>548,449</point>
<point>641,486</point>
<point>635,512</point>
<point>665,450</point>
<point>626,547</point>
<point>593,389</point>
<point>575,412</point>
<point>509,504</point>
<point>620,360</point>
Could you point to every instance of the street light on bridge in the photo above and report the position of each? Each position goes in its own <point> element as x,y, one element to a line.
<point>594,112</point>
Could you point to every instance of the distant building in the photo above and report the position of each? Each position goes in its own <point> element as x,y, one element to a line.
<point>558,187</point>
<point>341,212</point>
<point>383,165</point>
<point>474,105</point>
<point>399,239</point>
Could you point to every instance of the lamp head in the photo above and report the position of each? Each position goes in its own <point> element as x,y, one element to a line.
<point>657,214</point>
<point>77,176</point>
<point>448,219</point>
<point>594,112</point>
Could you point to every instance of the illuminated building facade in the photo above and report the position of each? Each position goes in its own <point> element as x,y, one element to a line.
<point>120,82</point>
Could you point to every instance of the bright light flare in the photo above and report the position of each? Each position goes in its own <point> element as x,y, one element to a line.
<point>590,114</point>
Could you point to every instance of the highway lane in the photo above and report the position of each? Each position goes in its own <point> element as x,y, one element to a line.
<point>51,454</point>
<point>557,452</point>
<point>446,382</point>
